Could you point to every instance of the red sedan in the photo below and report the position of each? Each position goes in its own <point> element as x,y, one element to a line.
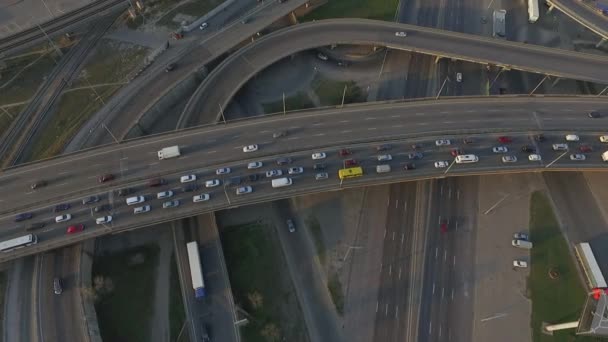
<point>443,227</point>
<point>350,162</point>
<point>344,152</point>
<point>75,229</point>
<point>585,148</point>
<point>456,152</point>
<point>504,139</point>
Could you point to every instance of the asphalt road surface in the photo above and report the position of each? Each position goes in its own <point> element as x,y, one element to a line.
<point>584,14</point>
<point>220,86</point>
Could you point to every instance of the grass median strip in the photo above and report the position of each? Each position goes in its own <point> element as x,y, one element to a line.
<point>557,300</point>
<point>330,91</point>
<point>295,102</point>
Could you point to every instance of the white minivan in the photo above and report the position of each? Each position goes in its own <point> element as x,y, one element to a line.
<point>384,168</point>
<point>466,158</point>
<point>135,200</point>
<point>281,182</point>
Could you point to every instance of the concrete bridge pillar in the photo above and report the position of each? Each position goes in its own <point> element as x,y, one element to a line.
<point>551,7</point>
<point>600,43</point>
<point>437,59</point>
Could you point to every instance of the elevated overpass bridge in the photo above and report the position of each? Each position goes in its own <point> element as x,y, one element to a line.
<point>357,127</point>
<point>583,14</point>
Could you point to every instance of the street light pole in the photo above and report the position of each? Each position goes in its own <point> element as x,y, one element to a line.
<point>556,159</point>
<point>226,193</point>
<point>449,167</point>
<point>107,129</point>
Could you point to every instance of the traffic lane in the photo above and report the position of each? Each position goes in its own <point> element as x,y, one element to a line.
<point>592,19</point>
<point>366,155</point>
<point>217,89</point>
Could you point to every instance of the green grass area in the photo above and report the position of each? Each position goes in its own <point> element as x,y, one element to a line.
<point>110,63</point>
<point>315,229</point>
<point>177,314</point>
<point>335,290</point>
<point>195,8</point>
<point>368,9</point>
<point>330,92</point>
<point>23,75</point>
<point>126,299</point>
<point>260,284</point>
<point>295,102</point>
<point>553,300</point>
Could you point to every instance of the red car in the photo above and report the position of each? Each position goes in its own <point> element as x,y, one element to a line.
<point>350,162</point>
<point>585,148</point>
<point>75,229</point>
<point>345,152</point>
<point>505,139</point>
<point>444,227</point>
<point>105,178</point>
<point>456,152</point>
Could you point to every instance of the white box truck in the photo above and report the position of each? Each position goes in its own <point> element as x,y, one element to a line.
<point>605,156</point>
<point>169,152</point>
<point>281,182</point>
<point>521,244</point>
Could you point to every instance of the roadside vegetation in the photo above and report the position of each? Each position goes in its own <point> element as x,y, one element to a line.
<point>295,102</point>
<point>99,80</point>
<point>261,284</point>
<point>368,9</point>
<point>557,300</point>
<point>317,236</point>
<point>177,314</point>
<point>330,91</point>
<point>124,287</point>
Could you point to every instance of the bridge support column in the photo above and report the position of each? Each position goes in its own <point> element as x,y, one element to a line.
<point>603,91</point>
<point>538,85</point>
<point>437,59</point>
<point>551,7</point>
<point>600,43</point>
<point>495,78</point>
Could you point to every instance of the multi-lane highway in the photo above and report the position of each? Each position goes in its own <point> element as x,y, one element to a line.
<point>583,14</point>
<point>219,87</point>
<point>359,128</point>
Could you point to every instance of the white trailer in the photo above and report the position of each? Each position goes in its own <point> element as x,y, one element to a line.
<point>533,11</point>
<point>605,156</point>
<point>196,272</point>
<point>499,28</point>
<point>169,152</point>
<point>281,182</point>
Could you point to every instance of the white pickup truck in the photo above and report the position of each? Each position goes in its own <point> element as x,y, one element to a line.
<point>169,152</point>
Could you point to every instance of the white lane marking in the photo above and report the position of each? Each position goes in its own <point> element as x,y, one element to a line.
<point>430,327</point>
<point>399,273</point>
<point>436,252</point>
<point>344,121</point>
<point>293,138</point>
<point>371,128</point>
<point>500,315</point>
<point>96,176</point>
<point>390,269</point>
<point>422,124</point>
<point>237,147</point>
<point>471,111</point>
<point>402,237</point>
<point>319,134</point>
<point>61,184</point>
<point>433,288</point>
<point>385,234</point>
<point>442,292</point>
<point>317,124</point>
<point>492,110</point>
<point>396,203</point>
<point>346,131</point>
<point>444,112</point>
<point>457,194</point>
<point>386,310</point>
<point>396,311</point>
<point>262,132</point>
<point>393,236</point>
<point>397,126</point>
<point>452,294</point>
<point>370,118</point>
<point>265,142</point>
<point>456,225</point>
<point>62,173</point>
<point>376,306</point>
<point>440,330</point>
<point>395,116</point>
<point>153,164</point>
<point>445,255</point>
<point>125,158</point>
<point>454,260</point>
<point>405,206</point>
<point>420,114</point>
<point>211,152</point>
<point>473,120</point>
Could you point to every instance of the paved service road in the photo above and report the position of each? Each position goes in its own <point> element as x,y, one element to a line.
<point>584,14</point>
<point>204,150</point>
<point>220,86</point>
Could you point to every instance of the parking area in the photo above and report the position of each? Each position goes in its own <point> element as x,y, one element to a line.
<point>501,302</point>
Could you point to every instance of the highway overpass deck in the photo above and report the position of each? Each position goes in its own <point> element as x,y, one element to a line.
<point>220,86</point>
<point>216,145</point>
<point>583,14</point>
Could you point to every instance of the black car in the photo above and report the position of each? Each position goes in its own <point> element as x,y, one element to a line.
<point>283,161</point>
<point>62,207</point>
<point>414,155</point>
<point>539,137</point>
<point>383,147</point>
<point>319,167</point>
<point>90,199</point>
<point>253,177</point>
<point>35,225</point>
<point>468,140</point>
<point>23,217</point>
<point>190,188</point>
<point>124,191</point>
<point>103,207</point>
<point>528,149</point>
<point>234,181</point>
<point>409,166</point>
<point>594,114</point>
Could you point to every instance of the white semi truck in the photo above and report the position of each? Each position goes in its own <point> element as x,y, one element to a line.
<point>605,156</point>
<point>169,152</point>
<point>533,11</point>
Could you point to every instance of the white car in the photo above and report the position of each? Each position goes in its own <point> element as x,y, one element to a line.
<point>520,263</point>
<point>171,204</point>
<point>244,190</point>
<point>140,210</point>
<point>222,171</point>
<point>385,157</point>
<point>203,26</point>
<point>322,56</point>
<point>534,157</point>
<point>187,178</point>
<point>401,34</point>
<point>441,164</point>
<point>458,77</point>
<point>295,170</point>
<point>500,149</point>
<point>273,173</point>
<point>578,157</point>
<point>63,218</point>
<point>318,155</point>
<point>200,198</point>
<point>560,147</point>
<point>250,148</point>
<point>442,142</point>
<point>164,194</point>
<point>321,176</point>
<point>509,159</point>
<point>255,165</point>
<point>212,183</point>
<point>572,137</point>
<point>604,138</point>
<point>103,219</point>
